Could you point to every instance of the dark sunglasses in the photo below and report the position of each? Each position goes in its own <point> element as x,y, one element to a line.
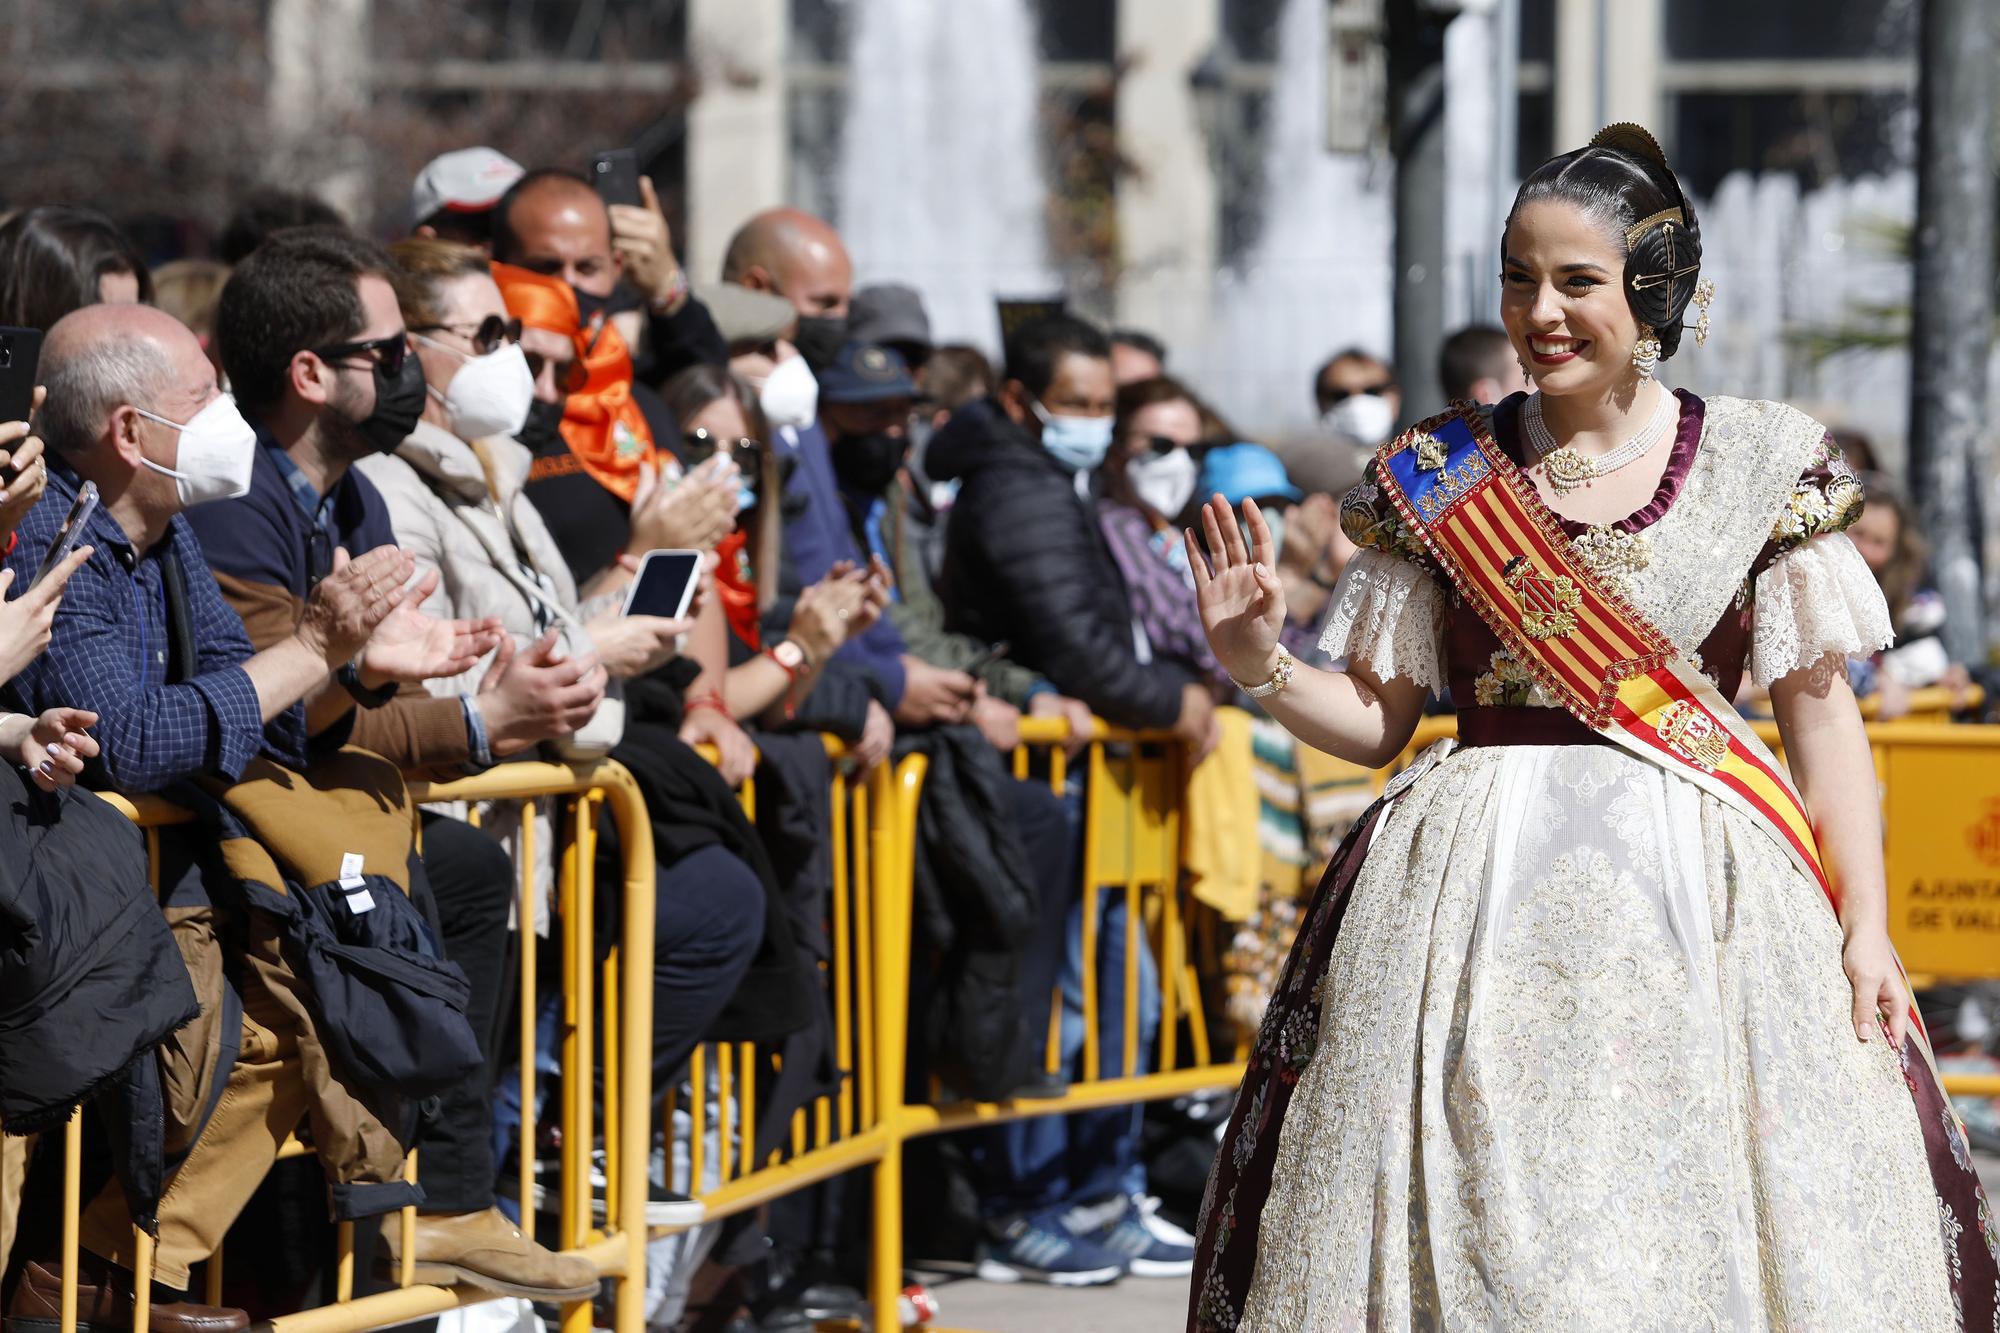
<point>488,335</point>
<point>575,376</point>
<point>697,446</point>
<point>390,351</point>
<point>1341,395</point>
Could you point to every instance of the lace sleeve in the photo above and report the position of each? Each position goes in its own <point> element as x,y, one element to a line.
<point>1816,598</point>
<point>1388,613</point>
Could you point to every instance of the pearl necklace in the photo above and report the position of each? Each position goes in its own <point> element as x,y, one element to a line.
<point>1567,469</point>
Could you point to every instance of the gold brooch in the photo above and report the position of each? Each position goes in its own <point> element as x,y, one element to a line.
<point>1549,602</point>
<point>1431,453</point>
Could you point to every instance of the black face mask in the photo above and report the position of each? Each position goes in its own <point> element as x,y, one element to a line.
<point>623,296</point>
<point>819,338</point>
<point>868,463</point>
<point>399,403</point>
<point>539,435</point>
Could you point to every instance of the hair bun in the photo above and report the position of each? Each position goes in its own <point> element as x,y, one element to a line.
<point>1637,140</point>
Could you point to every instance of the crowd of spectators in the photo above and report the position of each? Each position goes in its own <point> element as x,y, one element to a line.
<point>368,513</point>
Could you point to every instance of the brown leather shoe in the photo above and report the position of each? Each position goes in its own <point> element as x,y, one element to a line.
<point>487,1251</point>
<point>104,1304</point>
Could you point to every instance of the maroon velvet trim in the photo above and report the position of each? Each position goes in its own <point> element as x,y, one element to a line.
<point>1479,726</point>
<point>1973,1258</point>
<point>1232,1215</point>
<point>1507,433</point>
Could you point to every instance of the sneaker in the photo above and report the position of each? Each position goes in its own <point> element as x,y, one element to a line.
<point>1162,1229</point>
<point>1146,1242</point>
<point>664,1207</point>
<point>1040,1248</point>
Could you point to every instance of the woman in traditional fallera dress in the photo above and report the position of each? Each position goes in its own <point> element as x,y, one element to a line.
<point>1574,1035</point>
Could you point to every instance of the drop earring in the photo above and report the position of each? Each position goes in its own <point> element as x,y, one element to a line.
<point>1704,294</point>
<point>1646,352</point>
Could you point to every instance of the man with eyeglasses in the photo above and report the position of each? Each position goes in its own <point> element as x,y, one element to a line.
<point>313,339</point>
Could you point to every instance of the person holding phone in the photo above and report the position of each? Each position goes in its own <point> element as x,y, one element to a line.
<point>458,502</point>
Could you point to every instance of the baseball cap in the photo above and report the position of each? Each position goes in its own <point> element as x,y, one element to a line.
<point>866,373</point>
<point>744,316</point>
<point>889,312</point>
<point>466,180</point>
<point>1245,472</point>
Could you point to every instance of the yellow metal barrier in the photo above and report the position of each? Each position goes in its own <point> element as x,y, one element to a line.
<point>618,1251</point>
<point>1133,834</point>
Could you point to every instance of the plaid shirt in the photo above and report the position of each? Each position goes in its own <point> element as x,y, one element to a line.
<point>109,654</point>
<point>1162,597</point>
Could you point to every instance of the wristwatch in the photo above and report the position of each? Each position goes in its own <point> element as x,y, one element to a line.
<point>349,679</point>
<point>790,656</point>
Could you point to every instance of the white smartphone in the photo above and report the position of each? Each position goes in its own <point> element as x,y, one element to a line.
<point>665,584</point>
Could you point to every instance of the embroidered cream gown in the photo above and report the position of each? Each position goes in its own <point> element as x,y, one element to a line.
<point>1584,1057</point>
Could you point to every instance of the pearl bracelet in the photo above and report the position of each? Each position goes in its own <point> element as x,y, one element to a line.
<point>1281,676</point>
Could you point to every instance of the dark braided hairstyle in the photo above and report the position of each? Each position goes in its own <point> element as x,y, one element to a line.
<point>1623,179</point>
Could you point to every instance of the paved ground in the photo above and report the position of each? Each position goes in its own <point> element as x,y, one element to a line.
<point>1132,1306</point>
<point>1152,1305</point>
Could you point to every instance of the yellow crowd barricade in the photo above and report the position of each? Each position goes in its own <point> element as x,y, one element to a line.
<point>617,1248</point>
<point>1134,832</point>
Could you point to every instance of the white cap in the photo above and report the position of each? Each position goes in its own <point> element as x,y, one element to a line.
<point>469,180</point>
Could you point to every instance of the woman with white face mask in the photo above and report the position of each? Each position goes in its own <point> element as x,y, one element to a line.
<point>1148,483</point>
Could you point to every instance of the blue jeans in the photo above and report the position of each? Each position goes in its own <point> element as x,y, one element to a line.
<point>1057,1161</point>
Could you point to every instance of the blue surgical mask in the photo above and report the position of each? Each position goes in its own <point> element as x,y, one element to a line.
<point>1078,443</point>
<point>1274,519</point>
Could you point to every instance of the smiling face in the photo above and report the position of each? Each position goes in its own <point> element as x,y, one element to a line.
<point>1563,300</point>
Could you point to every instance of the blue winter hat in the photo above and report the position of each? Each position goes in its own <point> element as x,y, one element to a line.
<point>1245,472</point>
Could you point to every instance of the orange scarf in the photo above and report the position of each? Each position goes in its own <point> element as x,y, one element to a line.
<point>601,423</point>
<point>736,585</point>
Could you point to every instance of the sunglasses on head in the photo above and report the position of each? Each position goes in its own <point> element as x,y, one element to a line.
<point>1334,395</point>
<point>698,446</point>
<point>488,335</point>
<point>389,352</point>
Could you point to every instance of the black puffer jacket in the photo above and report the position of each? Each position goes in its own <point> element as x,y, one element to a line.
<point>1026,562</point>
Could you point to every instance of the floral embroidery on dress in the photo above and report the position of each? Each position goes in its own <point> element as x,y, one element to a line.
<point>1828,498</point>
<point>1369,520</point>
<point>1506,684</point>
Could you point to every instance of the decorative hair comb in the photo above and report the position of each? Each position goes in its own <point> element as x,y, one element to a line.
<point>1627,137</point>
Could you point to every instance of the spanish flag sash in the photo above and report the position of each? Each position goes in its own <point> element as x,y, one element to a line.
<point>1480,517</point>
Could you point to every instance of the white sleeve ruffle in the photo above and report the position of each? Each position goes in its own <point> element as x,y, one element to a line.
<point>1815,599</point>
<point>1388,613</point>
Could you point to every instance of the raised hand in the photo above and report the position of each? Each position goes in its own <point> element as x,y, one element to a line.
<point>532,694</point>
<point>350,603</point>
<point>28,621</point>
<point>1242,600</point>
<point>409,646</point>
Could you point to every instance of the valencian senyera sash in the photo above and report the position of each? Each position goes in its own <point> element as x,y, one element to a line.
<point>1480,517</point>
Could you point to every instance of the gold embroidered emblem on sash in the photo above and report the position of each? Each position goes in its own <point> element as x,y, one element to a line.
<point>1687,729</point>
<point>1431,453</point>
<point>1548,602</point>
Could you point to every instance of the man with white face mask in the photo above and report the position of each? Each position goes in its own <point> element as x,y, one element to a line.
<point>313,338</point>
<point>1358,400</point>
<point>147,642</point>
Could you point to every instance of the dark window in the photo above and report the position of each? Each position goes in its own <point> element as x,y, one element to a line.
<point>819,31</point>
<point>1250,27</point>
<point>1789,29</point>
<point>1815,136</point>
<point>1538,29</point>
<point>1078,29</point>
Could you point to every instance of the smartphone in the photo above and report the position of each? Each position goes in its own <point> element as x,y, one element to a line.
<point>665,584</point>
<point>20,358</point>
<point>615,173</point>
<point>986,659</point>
<point>71,533</point>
